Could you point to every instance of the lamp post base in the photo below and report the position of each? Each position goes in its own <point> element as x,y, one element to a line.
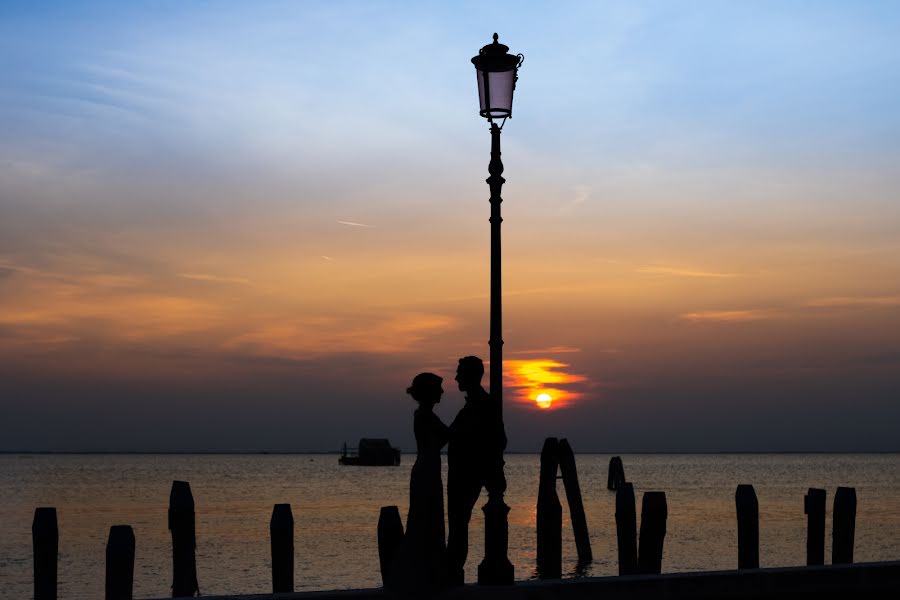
<point>496,569</point>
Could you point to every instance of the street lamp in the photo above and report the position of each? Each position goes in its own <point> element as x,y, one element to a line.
<point>497,71</point>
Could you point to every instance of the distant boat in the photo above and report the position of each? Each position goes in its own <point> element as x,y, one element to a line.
<point>371,452</point>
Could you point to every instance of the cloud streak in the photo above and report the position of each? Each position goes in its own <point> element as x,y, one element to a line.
<point>730,316</point>
<point>680,272</point>
<point>854,301</point>
<point>355,224</point>
<point>549,350</point>
<point>316,336</point>
<point>215,278</point>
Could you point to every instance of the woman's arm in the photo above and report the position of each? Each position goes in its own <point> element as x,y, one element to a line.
<point>441,432</point>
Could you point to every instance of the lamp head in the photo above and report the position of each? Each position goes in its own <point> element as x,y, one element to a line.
<point>497,71</point>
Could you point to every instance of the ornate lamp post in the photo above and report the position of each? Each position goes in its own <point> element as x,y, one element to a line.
<point>497,71</point>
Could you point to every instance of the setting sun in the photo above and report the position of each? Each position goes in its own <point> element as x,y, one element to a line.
<point>543,382</point>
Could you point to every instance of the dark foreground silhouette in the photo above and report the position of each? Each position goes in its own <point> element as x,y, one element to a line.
<point>474,458</point>
<point>420,564</point>
<point>476,439</point>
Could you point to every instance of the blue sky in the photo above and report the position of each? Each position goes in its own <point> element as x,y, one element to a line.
<point>785,82</point>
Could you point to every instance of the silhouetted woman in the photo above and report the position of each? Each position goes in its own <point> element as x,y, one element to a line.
<point>420,564</point>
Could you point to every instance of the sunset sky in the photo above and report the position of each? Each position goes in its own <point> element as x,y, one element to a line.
<point>247,225</point>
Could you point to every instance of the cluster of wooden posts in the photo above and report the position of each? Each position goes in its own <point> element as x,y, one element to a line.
<point>642,554</point>
<point>557,455</point>
<point>182,524</point>
<point>638,554</point>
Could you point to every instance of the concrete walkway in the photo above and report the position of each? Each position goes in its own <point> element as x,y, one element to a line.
<point>864,580</point>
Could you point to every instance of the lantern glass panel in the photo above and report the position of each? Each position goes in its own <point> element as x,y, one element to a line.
<point>500,88</point>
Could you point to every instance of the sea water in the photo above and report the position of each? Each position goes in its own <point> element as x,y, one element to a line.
<point>336,512</point>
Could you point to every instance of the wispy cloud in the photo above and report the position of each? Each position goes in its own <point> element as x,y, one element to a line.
<point>316,336</point>
<point>12,267</point>
<point>131,318</point>
<point>681,272</point>
<point>581,195</point>
<point>854,301</point>
<point>215,278</point>
<point>549,350</point>
<point>80,276</point>
<point>795,310</point>
<point>355,224</point>
<point>731,316</point>
<point>563,289</point>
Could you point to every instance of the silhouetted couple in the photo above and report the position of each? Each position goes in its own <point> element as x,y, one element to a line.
<point>475,443</point>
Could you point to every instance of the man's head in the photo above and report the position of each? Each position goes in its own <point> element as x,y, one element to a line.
<point>469,373</point>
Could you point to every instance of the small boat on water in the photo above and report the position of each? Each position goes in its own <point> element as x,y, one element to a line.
<point>371,452</point>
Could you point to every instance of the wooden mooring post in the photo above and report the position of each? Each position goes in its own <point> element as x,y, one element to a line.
<point>120,563</point>
<point>814,507</point>
<point>45,542</point>
<point>576,505</point>
<point>549,515</point>
<point>184,540</point>
<point>281,532</point>
<point>748,526</point>
<point>626,529</point>
<point>654,513</point>
<point>843,519</point>
<point>390,536</point>
<point>616,476</point>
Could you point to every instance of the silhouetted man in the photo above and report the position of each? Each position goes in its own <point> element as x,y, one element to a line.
<point>474,458</point>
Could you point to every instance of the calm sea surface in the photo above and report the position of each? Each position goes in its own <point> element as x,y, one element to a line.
<point>336,511</point>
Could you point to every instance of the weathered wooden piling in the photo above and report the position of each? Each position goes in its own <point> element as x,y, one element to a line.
<point>281,532</point>
<point>184,540</point>
<point>390,536</point>
<point>549,515</point>
<point>814,507</point>
<point>120,563</point>
<point>573,497</point>
<point>654,513</point>
<point>748,526</point>
<point>843,519</point>
<point>616,476</point>
<point>45,541</point>
<point>626,530</point>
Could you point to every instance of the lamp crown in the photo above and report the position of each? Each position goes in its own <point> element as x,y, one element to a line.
<point>495,48</point>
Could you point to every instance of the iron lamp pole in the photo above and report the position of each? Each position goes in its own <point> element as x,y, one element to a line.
<point>497,72</point>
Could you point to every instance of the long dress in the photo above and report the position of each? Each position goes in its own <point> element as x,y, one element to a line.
<point>420,564</point>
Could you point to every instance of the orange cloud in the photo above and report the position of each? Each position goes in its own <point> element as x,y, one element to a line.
<point>130,317</point>
<point>302,338</point>
<point>730,316</point>
<point>684,272</point>
<point>855,301</point>
<point>215,278</point>
<point>549,350</point>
